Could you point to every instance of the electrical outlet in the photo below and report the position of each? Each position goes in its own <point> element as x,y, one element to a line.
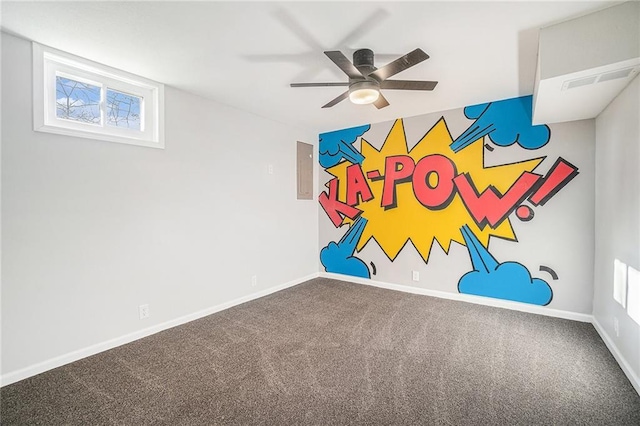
<point>254,280</point>
<point>416,276</point>
<point>143,310</point>
<point>616,326</point>
<point>270,169</point>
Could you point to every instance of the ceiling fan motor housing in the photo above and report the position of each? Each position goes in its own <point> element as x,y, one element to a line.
<point>363,61</point>
<point>363,57</point>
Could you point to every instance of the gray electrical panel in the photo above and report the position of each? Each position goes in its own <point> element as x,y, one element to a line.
<point>304,171</point>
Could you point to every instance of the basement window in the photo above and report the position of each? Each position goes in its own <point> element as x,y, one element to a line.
<point>77,97</point>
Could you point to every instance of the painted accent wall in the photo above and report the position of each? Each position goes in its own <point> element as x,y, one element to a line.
<point>617,229</point>
<point>92,229</point>
<point>473,200</point>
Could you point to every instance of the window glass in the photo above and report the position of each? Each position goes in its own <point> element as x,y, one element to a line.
<point>77,101</point>
<point>123,110</point>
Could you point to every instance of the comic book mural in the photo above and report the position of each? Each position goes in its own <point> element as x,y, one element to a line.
<point>440,191</point>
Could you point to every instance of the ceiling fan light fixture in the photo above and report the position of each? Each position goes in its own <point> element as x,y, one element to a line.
<point>364,92</point>
<point>364,96</point>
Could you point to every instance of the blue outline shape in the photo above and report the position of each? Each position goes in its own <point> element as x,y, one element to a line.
<point>506,122</point>
<point>334,146</point>
<point>508,280</point>
<point>338,257</point>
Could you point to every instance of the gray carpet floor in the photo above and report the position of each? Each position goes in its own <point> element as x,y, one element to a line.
<point>328,352</point>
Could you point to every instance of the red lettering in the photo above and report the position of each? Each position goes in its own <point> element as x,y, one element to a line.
<point>357,185</point>
<point>336,210</point>
<point>492,207</point>
<point>397,169</point>
<point>440,195</point>
<point>559,175</point>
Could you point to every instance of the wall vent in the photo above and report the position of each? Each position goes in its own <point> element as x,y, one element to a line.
<point>614,75</point>
<point>599,78</point>
<point>579,82</point>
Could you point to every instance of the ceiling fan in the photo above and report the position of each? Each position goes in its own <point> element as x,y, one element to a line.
<point>365,80</point>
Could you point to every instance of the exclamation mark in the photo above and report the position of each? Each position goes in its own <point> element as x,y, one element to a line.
<point>560,174</point>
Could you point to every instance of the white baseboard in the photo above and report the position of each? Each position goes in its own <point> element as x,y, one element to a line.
<point>61,360</point>
<point>631,375</point>
<point>487,301</point>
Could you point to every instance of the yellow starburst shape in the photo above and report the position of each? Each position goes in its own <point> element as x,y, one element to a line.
<point>410,220</point>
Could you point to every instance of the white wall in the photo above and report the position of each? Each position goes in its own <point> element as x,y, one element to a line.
<point>93,229</point>
<point>617,209</point>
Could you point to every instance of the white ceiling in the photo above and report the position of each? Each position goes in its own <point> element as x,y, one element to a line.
<point>246,54</point>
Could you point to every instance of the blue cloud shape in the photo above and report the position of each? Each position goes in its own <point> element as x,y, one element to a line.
<point>508,280</point>
<point>334,146</point>
<point>338,257</point>
<point>505,122</point>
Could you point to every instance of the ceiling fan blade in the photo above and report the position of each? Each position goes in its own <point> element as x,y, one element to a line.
<point>381,102</point>
<point>368,24</point>
<point>344,64</point>
<point>340,98</point>
<point>408,85</point>
<point>410,59</point>
<point>297,29</point>
<point>318,84</point>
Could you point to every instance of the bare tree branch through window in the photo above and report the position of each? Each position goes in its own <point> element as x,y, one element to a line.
<point>77,101</point>
<point>123,110</point>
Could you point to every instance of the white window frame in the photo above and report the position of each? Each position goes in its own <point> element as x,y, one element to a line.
<point>49,63</point>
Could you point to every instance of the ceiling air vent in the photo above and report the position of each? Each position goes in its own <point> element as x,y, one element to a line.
<point>579,82</point>
<point>615,75</point>
<point>600,78</point>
